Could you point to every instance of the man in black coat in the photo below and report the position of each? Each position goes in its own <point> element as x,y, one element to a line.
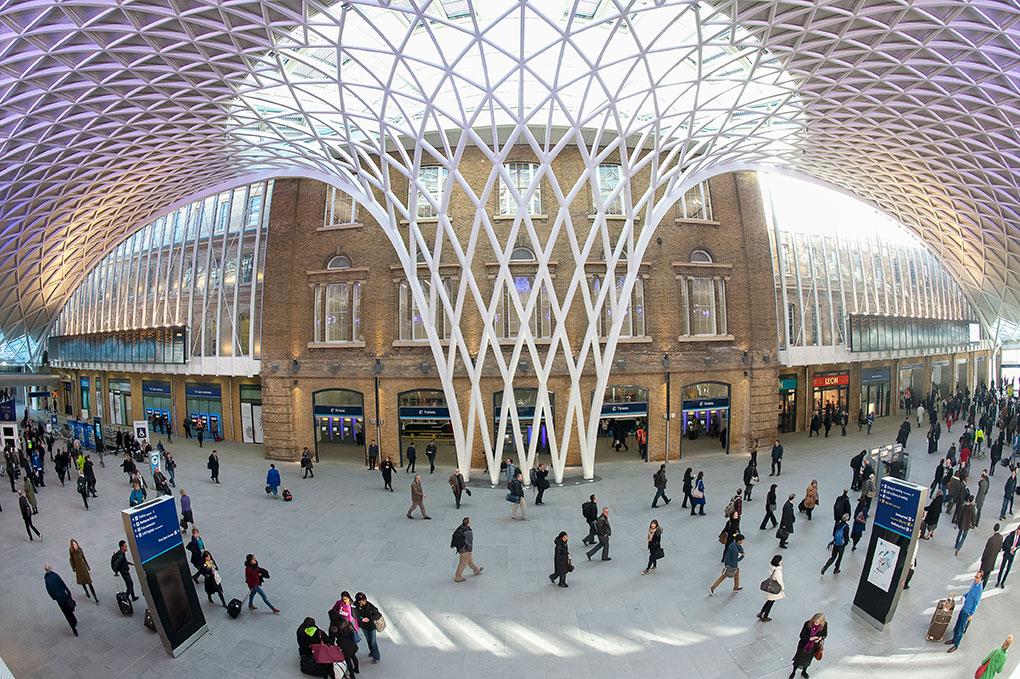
<point>750,474</point>
<point>120,565</point>
<point>856,462</point>
<point>786,522</point>
<point>59,592</point>
<point>777,458</point>
<point>840,507</point>
<point>590,512</point>
<point>901,437</point>
<point>603,531</point>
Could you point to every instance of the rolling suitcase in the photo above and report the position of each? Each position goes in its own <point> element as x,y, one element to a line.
<point>234,608</point>
<point>124,604</point>
<point>940,620</point>
<point>147,621</point>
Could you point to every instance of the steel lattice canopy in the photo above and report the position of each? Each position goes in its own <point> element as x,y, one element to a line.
<point>114,112</point>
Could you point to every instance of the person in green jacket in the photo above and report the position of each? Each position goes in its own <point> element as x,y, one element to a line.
<point>995,661</point>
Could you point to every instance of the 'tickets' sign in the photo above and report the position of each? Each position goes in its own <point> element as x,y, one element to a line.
<point>838,380</point>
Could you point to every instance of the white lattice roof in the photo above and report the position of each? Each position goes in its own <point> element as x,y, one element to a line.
<point>114,111</point>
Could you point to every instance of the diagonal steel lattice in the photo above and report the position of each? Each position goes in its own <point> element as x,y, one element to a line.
<point>115,112</point>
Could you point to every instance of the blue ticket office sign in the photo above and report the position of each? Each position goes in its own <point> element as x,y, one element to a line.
<point>161,564</point>
<point>897,508</point>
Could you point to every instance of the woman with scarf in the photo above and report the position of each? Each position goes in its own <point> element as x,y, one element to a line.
<point>812,641</point>
<point>654,546</point>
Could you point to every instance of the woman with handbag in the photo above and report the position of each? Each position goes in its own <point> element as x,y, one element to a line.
<point>774,588</point>
<point>213,581</point>
<point>316,650</point>
<point>654,546</point>
<point>995,661</point>
<point>811,644</point>
<point>688,487</point>
<point>561,560</point>
<point>810,501</point>
<point>698,495</point>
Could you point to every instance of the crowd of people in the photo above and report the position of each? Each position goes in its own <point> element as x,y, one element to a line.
<point>989,427</point>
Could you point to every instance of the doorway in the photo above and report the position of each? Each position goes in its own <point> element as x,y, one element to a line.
<point>339,416</point>
<point>705,418</point>
<point>424,418</point>
<point>624,413</point>
<point>526,400</point>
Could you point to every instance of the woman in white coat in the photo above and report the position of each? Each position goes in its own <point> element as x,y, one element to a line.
<point>772,594</point>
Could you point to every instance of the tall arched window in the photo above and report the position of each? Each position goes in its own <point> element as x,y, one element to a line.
<point>703,297</point>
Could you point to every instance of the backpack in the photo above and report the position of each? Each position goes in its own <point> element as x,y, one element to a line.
<point>839,537</point>
<point>533,476</point>
<point>115,562</point>
<point>730,508</point>
<point>82,486</point>
<point>588,511</point>
<point>457,540</point>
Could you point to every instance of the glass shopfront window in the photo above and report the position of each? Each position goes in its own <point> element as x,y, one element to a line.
<point>120,402</point>
<point>875,390</point>
<point>251,413</point>
<point>830,390</point>
<point>787,403</point>
<point>86,397</point>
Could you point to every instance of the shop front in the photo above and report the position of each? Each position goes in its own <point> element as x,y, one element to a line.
<point>156,404</point>
<point>624,411</point>
<point>86,397</point>
<point>424,418</point>
<point>830,390</point>
<point>204,408</point>
<point>339,416</point>
<point>960,374</point>
<point>97,384</point>
<point>69,399</point>
<point>787,403</point>
<point>980,371</point>
<point>911,383</point>
<point>876,390</point>
<point>705,418</point>
<point>120,402</point>
<point>251,413</point>
<point>941,379</point>
<point>526,399</point>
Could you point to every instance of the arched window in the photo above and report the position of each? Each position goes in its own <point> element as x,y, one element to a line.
<point>522,254</point>
<point>633,310</point>
<point>700,257</point>
<point>339,262</point>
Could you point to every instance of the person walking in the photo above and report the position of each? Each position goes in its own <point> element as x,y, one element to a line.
<point>417,499</point>
<point>590,512</point>
<point>990,554</point>
<point>777,458</point>
<point>430,452</point>
<point>932,513</point>
<point>868,487</point>
<point>196,548</point>
<point>386,469</point>
<point>654,546</point>
<point>120,565</point>
<point>1009,547</point>
<point>187,515</point>
<point>273,481</point>
<point>1010,493</point>
<point>840,538</point>
<point>688,486</point>
<point>412,457</point>
<point>255,576</point>
<point>306,463</point>
<point>59,592</point>
<point>810,501</point>
<point>770,508</point>
<point>810,644</point>
<point>750,477</point>
<point>368,617</point>
<point>137,495</point>
<point>729,532</point>
<point>603,531</point>
<point>858,528</point>
<point>171,467</point>
<point>971,600</point>
<point>541,483</point>
<point>82,486</point>
<point>786,522</point>
<point>457,485</point>
<point>82,571</point>
<point>841,506</point>
<point>659,481</point>
<point>979,497</point>
<point>515,496</point>
<point>561,560</point>
<point>213,465</point>
<point>965,522</point>
<point>856,464</point>
<point>29,487</point>
<point>464,542</point>
<point>731,565</point>
<point>26,516</point>
<point>773,592</point>
<point>995,661</point>
<point>698,495</point>
<point>213,579</point>
<point>373,457</point>
<point>89,469</point>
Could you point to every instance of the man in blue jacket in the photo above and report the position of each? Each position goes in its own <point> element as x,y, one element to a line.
<point>59,592</point>
<point>273,480</point>
<point>970,603</point>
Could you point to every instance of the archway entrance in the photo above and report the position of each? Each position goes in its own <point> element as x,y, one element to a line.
<point>624,412</point>
<point>705,418</point>
<point>526,399</point>
<point>339,416</point>
<point>424,418</point>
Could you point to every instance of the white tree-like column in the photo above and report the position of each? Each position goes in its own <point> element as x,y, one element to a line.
<point>653,88</point>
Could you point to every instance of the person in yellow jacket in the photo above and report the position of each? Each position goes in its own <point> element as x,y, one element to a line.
<point>995,661</point>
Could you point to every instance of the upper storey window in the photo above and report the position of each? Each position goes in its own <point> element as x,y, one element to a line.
<point>519,177</point>
<point>431,181</point>
<point>609,177</point>
<point>696,203</point>
<point>340,208</point>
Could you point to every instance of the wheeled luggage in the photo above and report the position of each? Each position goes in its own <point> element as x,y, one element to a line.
<point>124,604</point>
<point>147,621</point>
<point>940,619</point>
<point>234,608</point>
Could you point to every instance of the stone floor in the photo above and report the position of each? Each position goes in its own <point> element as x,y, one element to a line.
<point>344,532</point>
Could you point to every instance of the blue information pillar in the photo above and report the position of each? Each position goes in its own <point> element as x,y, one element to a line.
<point>161,563</point>
<point>898,510</point>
